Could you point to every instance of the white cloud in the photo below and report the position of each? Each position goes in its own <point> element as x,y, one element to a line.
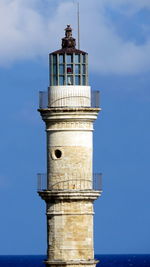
<point>27,32</point>
<point>109,52</point>
<point>22,30</point>
<point>126,5</point>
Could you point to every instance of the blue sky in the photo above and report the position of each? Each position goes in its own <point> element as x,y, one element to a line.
<point>116,35</point>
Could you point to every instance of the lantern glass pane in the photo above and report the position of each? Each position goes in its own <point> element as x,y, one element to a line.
<point>54,59</point>
<point>69,80</point>
<point>83,68</point>
<point>77,69</point>
<point>77,80</point>
<point>54,80</point>
<point>61,80</point>
<point>69,68</point>
<point>77,58</point>
<point>54,69</point>
<point>61,69</point>
<point>83,80</point>
<point>83,58</point>
<point>61,59</point>
<point>69,58</point>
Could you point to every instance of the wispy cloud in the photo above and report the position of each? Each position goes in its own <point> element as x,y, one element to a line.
<point>29,29</point>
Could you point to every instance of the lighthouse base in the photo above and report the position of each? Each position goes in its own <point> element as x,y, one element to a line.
<point>89,263</point>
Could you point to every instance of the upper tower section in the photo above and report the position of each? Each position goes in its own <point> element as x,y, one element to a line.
<point>68,66</point>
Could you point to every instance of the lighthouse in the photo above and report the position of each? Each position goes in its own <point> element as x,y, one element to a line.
<point>69,188</point>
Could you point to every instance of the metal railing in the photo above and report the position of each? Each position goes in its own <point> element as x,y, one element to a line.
<point>43,99</point>
<point>95,99</point>
<point>97,181</point>
<point>70,184</point>
<point>41,181</point>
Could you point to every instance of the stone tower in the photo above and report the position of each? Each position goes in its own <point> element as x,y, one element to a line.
<point>70,190</point>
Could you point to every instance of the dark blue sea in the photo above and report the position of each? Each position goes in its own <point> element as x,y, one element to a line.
<point>105,261</point>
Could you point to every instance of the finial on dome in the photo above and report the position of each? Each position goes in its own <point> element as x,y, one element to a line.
<point>68,41</point>
<point>68,31</point>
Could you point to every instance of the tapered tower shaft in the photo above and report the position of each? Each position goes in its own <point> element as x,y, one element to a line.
<point>69,193</point>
